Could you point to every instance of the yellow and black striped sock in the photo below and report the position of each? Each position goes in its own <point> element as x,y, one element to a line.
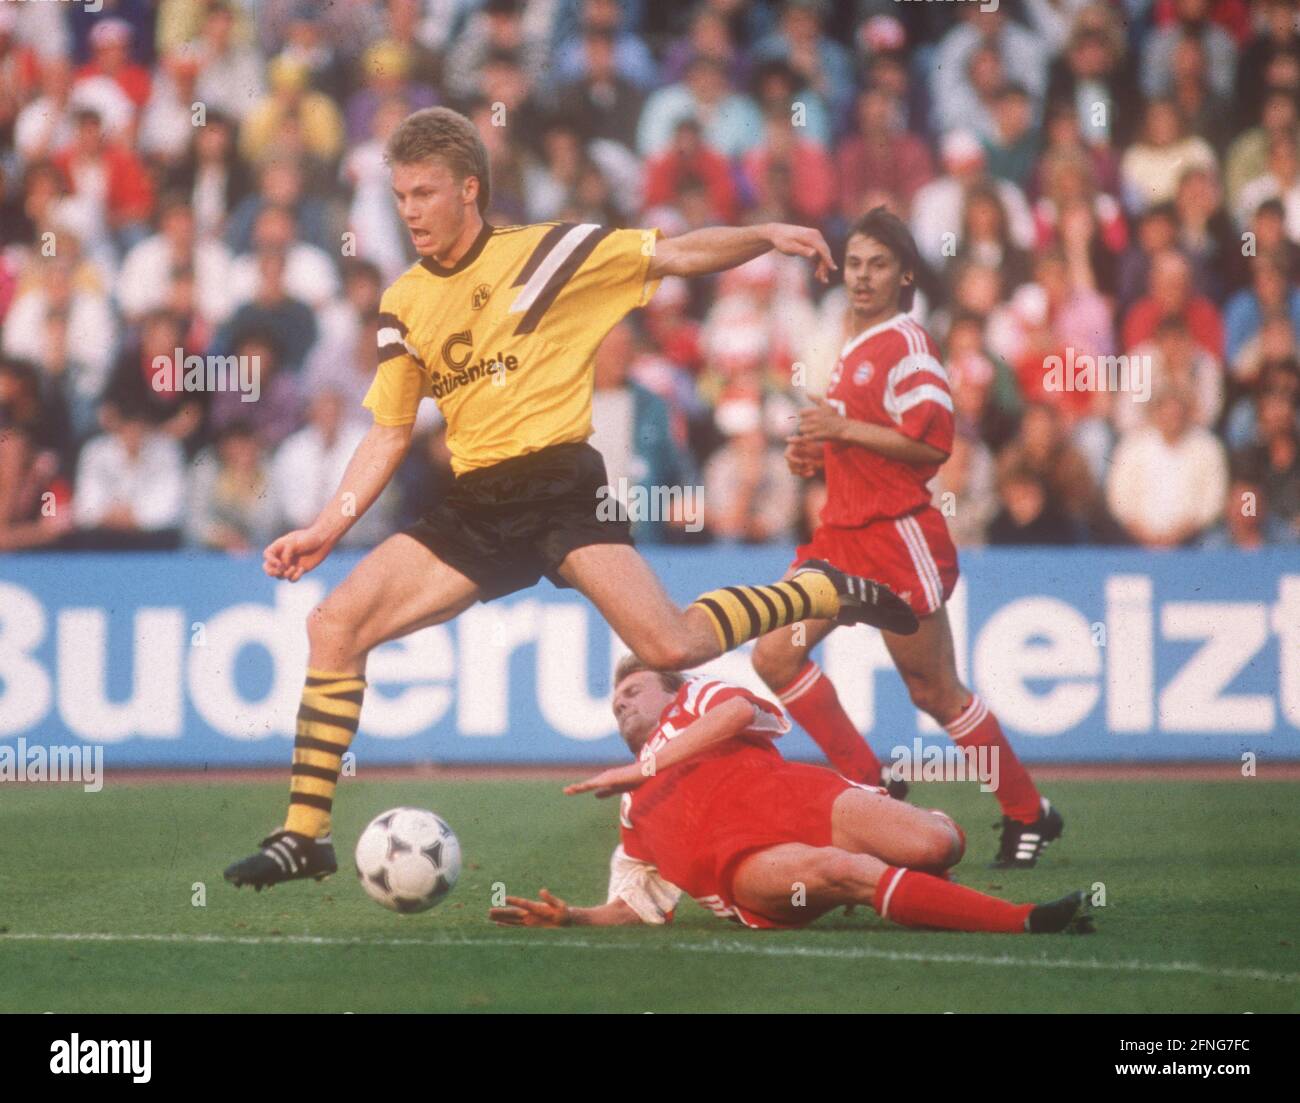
<point>327,721</point>
<point>741,613</point>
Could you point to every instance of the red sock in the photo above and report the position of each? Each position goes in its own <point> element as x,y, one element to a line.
<point>813,702</point>
<point>914,899</point>
<point>1016,793</point>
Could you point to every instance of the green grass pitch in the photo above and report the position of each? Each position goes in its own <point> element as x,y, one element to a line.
<point>97,912</point>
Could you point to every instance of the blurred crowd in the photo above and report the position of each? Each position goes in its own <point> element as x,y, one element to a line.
<point>1084,178</point>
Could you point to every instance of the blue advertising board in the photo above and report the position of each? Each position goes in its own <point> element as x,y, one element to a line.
<point>1084,655</point>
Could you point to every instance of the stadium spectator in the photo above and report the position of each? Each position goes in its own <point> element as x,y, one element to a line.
<point>1205,233</point>
<point>273,407</point>
<point>731,123</point>
<point>169,118</point>
<point>791,177</point>
<point>1011,142</point>
<point>68,331</point>
<point>145,380</point>
<point>880,156</point>
<point>779,92</point>
<point>34,436</point>
<point>1277,455</point>
<point>150,270</point>
<point>1152,166</point>
<point>632,56</point>
<point>44,125</point>
<point>1280,181</point>
<point>1168,478</point>
<point>130,487</point>
<point>1268,296</point>
<point>1092,81</point>
<point>344,357</point>
<point>497,27</point>
<point>1043,449</point>
<point>229,504</point>
<point>211,176</point>
<point>292,118</point>
<point>965,491</point>
<point>1276,39</point>
<point>282,182</point>
<point>109,175</point>
<point>309,465</point>
<point>386,76</point>
<point>1191,21</point>
<point>709,35</point>
<point>309,273</point>
<point>1172,295</point>
<point>750,492</point>
<point>1028,514</point>
<point>632,429</point>
<point>602,103</point>
<point>986,238</point>
<point>378,234</point>
<point>822,65</point>
<point>1248,154</point>
<point>689,160</point>
<point>232,78</point>
<point>937,207</point>
<point>110,44</point>
<point>1019,52</point>
<point>1172,357</point>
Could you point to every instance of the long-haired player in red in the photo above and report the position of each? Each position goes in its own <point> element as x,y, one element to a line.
<point>880,434</point>
<point>711,808</point>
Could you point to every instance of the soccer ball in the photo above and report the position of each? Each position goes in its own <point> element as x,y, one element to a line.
<point>408,859</point>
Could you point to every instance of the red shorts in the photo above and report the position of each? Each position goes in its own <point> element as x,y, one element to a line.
<point>913,555</point>
<point>790,804</point>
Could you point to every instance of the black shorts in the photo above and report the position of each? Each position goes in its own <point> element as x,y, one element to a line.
<point>505,526</point>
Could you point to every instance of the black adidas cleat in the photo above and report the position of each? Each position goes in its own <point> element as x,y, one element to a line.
<point>1068,915</point>
<point>1023,843</point>
<point>863,601</point>
<point>285,856</point>
<point>895,787</point>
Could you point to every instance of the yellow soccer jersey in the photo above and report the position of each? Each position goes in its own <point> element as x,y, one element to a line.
<point>504,339</point>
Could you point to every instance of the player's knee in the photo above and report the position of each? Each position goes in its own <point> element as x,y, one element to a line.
<point>935,698</point>
<point>945,842</point>
<point>665,654</point>
<point>777,664</point>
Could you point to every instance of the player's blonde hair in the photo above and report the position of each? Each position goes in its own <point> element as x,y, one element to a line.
<point>448,136</point>
<point>630,664</point>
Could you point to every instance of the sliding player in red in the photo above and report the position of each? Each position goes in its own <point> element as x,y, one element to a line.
<point>716,812</point>
<point>881,433</point>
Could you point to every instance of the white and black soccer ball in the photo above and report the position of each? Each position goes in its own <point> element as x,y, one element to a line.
<point>408,859</point>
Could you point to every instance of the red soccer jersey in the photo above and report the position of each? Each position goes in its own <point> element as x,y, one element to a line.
<point>664,819</point>
<point>887,375</point>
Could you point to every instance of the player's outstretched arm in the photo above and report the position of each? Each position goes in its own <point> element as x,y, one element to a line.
<point>716,726</point>
<point>551,911</point>
<point>717,248</point>
<point>372,465</point>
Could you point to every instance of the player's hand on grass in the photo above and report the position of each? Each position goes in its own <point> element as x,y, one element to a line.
<point>609,783</point>
<point>820,421</point>
<point>803,457</point>
<point>549,911</point>
<point>803,241</point>
<point>294,554</point>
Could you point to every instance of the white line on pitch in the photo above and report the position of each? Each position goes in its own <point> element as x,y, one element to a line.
<point>712,947</point>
